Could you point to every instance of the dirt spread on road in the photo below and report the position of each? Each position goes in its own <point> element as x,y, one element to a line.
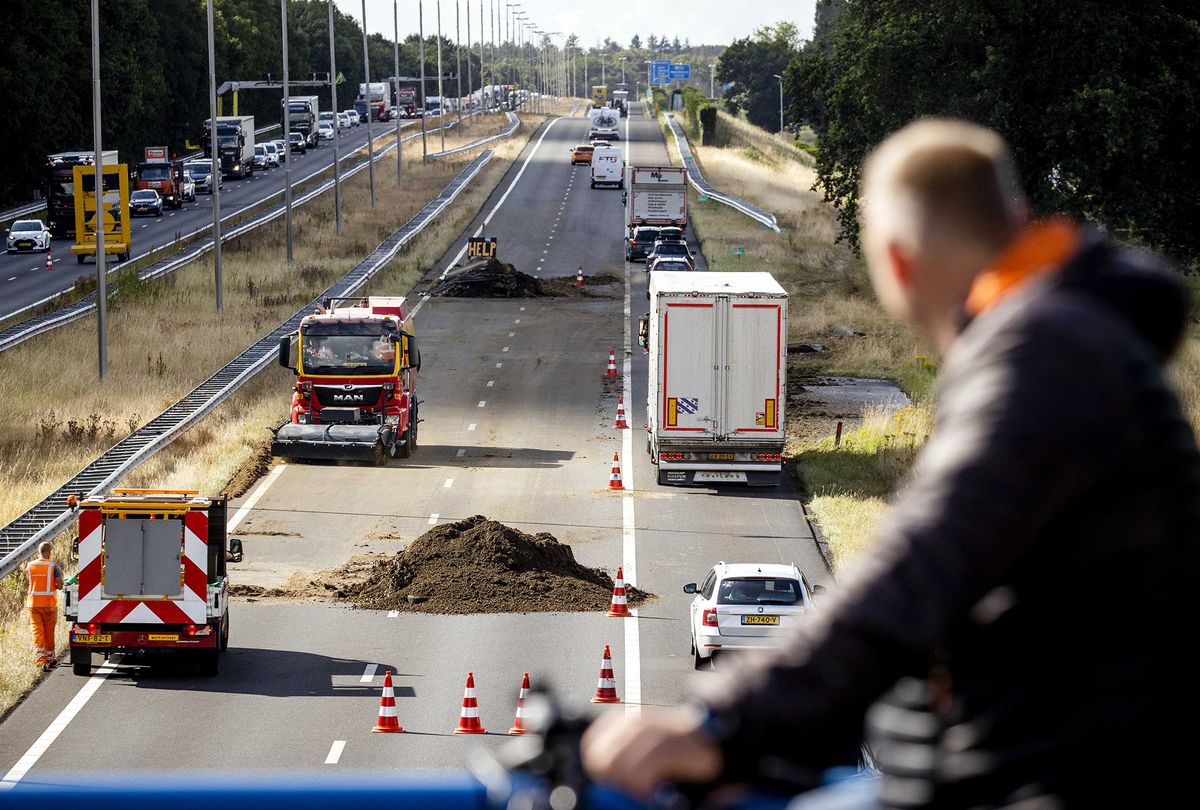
<point>490,279</point>
<point>478,565</point>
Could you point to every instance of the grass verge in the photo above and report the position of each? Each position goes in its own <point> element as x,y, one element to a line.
<point>165,337</point>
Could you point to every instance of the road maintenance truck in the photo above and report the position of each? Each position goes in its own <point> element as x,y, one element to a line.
<point>109,209</point>
<point>718,377</point>
<point>152,577</point>
<point>657,196</point>
<point>356,364</point>
<point>159,172</point>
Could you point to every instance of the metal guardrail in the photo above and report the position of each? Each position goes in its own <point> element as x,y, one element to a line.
<point>49,517</point>
<point>33,208</point>
<point>513,123</point>
<point>759,215</point>
<point>39,324</point>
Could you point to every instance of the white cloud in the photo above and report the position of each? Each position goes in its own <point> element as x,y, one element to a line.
<point>710,22</point>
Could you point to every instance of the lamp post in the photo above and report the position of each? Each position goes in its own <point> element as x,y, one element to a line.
<point>367,81</point>
<point>623,69</point>
<point>712,87</point>
<point>101,211</point>
<point>777,76</point>
<point>396,85</point>
<point>424,99</point>
<point>337,173</point>
<point>441,89</point>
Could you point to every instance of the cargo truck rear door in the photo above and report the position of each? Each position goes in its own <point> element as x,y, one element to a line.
<point>753,365</point>
<point>689,367</point>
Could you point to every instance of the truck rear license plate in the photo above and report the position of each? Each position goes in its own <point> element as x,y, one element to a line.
<point>163,637</point>
<point>721,476</point>
<point>83,638</point>
<point>752,619</point>
<point>720,456</point>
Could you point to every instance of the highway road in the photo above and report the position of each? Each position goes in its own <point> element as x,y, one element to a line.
<point>24,280</point>
<point>518,427</point>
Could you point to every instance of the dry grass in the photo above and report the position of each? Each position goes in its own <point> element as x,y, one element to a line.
<point>165,337</point>
<point>741,134</point>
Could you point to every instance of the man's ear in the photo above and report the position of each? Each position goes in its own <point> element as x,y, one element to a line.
<point>899,264</point>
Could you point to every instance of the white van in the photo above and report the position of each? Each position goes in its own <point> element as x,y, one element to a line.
<point>605,124</point>
<point>608,167</point>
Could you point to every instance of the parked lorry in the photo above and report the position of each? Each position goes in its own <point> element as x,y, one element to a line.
<point>608,167</point>
<point>657,196</point>
<point>406,102</point>
<point>718,350</point>
<point>356,370</point>
<point>159,172</point>
<point>59,187</point>
<point>605,123</point>
<point>235,144</point>
<point>302,114</point>
<point>152,577</point>
<point>372,101</point>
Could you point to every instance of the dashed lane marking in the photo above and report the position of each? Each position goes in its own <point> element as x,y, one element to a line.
<point>449,482</point>
<point>499,365</point>
<point>392,614</point>
<point>518,320</point>
<point>461,452</point>
<point>471,426</point>
<point>369,673</point>
<point>512,334</point>
<point>335,752</point>
<point>482,403</point>
<point>491,383</point>
<point>433,518</point>
<point>504,349</point>
<point>14,278</point>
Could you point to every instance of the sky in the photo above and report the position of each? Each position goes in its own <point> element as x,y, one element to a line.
<point>709,22</point>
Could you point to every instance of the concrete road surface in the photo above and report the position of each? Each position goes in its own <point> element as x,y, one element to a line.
<point>518,427</point>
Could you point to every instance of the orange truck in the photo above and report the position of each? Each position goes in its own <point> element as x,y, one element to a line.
<point>158,171</point>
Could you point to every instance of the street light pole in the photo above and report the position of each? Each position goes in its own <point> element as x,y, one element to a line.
<point>214,167</point>
<point>777,76</point>
<point>367,82</point>
<point>287,145</point>
<point>441,90</point>
<point>337,169</point>
<point>712,87</point>
<point>98,215</point>
<point>458,70</point>
<point>396,86</point>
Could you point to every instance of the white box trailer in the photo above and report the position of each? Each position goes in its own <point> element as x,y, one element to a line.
<point>657,196</point>
<point>718,377</point>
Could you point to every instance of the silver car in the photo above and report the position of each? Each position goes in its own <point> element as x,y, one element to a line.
<point>28,235</point>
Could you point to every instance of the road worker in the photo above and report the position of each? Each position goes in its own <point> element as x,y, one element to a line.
<point>45,580</point>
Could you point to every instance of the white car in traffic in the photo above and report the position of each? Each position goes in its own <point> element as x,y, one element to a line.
<point>742,606</point>
<point>325,132</point>
<point>28,234</point>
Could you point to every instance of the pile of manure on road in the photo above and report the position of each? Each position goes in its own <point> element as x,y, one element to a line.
<point>489,279</point>
<point>477,565</point>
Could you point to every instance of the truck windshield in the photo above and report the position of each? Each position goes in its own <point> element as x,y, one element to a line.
<point>154,172</point>
<point>227,142</point>
<point>348,354</point>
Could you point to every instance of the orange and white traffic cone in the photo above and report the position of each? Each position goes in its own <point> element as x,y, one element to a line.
<point>620,604</point>
<point>518,726</point>
<point>612,363</point>
<point>579,276</point>
<point>614,481</point>
<point>388,723</point>
<point>468,718</point>
<point>606,687</point>
<point>620,424</point>
<point>49,261</point>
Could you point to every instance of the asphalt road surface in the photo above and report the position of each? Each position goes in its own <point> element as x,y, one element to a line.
<point>24,280</point>
<point>518,427</point>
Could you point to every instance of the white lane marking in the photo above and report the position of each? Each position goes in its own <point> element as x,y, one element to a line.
<point>479,231</point>
<point>258,492</point>
<point>491,383</point>
<point>499,365</point>
<point>335,752</point>
<point>522,309</point>
<point>461,452</point>
<point>482,403</point>
<point>433,518</point>
<point>512,334</point>
<point>633,638</point>
<point>518,320</point>
<point>392,614</point>
<point>545,251</point>
<point>471,426</point>
<point>14,278</point>
<point>449,482</point>
<point>18,771</point>
<point>504,349</point>
<point>368,673</point>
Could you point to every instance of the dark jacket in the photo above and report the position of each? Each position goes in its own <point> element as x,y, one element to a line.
<point>1020,632</point>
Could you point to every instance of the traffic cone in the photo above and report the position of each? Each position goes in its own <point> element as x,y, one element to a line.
<point>388,723</point>
<point>620,605</point>
<point>49,261</point>
<point>612,364</point>
<point>518,726</point>
<point>579,276</point>
<point>468,718</point>
<point>606,687</point>
<point>614,482</point>
<point>620,424</point>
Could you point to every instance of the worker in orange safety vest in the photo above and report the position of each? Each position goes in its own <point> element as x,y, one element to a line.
<point>45,580</point>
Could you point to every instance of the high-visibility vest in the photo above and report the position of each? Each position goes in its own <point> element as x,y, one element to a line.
<point>42,592</point>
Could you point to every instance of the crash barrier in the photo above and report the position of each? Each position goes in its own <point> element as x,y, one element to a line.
<point>40,324</point>
<point>33,208</point>
<point>50,517</point>
<point>513,123</point>
<point>759,215</point>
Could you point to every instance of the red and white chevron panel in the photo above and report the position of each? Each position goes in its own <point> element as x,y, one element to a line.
<point>189,608</point>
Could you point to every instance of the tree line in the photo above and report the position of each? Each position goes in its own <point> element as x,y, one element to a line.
<point>154,72</point>
<point>1099,100</point>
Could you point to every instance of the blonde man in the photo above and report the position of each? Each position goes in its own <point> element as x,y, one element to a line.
<point>1014,639</point>
<point>45,580</point>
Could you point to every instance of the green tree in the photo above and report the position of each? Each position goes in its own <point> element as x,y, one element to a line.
<point>1100,101</point>
<point>635,42</point>
<point>751,64</point>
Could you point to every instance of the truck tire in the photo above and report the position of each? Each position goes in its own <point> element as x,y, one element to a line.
<point>81,662</point>
<point>408,442</point>
<point>223,644</point>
